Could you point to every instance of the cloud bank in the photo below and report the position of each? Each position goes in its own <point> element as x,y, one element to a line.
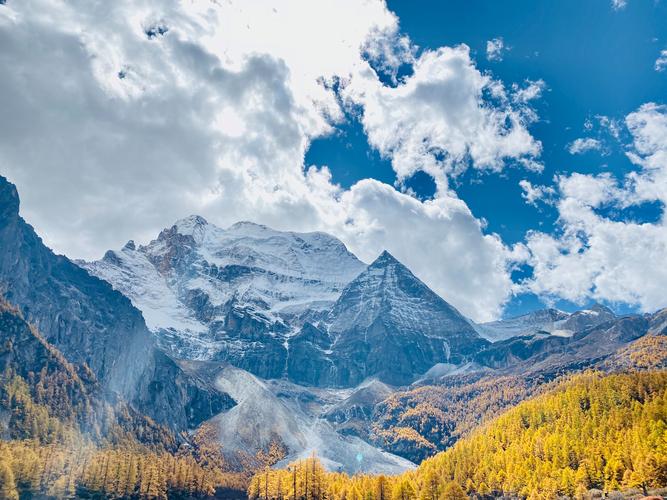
<point>599,253</point>
<point>124,116</point>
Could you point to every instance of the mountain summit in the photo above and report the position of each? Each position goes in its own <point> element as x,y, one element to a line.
<point>389,290</point>
<point>285,304</point>
<point>389,323</point>
<point>230,294</point>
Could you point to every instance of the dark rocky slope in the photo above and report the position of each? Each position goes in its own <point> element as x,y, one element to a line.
<point>94,326</point>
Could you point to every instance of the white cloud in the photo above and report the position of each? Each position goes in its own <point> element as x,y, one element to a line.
<point>618,4</point>
<point>387,51</point>
<point>440,239</point>
<point>495,49</point>
<point>439,120</point>
<point>532,90</point>
<point>121,117</point>
<point>604,257</point>
<point>534,193</point>
<point>661,62</point>
<point>582,145</point>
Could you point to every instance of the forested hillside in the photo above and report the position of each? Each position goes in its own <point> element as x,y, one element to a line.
<point>60,437</point>
<point>419,422</point>
<point>592,431</point>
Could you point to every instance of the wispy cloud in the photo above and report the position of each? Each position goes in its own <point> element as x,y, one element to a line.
<point>661,62</point>
<point>619,4</point>
<point>582,145</point>
<point>495,49</point>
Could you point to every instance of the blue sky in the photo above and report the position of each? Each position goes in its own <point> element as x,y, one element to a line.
<point>596,61</point>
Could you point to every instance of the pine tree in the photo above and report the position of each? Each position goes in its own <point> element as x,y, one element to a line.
<point>7,482</point>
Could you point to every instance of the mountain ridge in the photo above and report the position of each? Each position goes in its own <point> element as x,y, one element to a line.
<point>94,325</point>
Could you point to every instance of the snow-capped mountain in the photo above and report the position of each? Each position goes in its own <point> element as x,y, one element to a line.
<point>386,323</point>
<point>283,304</point>
<point>276,334</point>
<point>202,289</point>
<point>550,321</point>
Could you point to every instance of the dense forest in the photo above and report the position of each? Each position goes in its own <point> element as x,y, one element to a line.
<point>419,422</point>
<point>590,432</point>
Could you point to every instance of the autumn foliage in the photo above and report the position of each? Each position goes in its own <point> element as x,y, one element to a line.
<point>592,431</point>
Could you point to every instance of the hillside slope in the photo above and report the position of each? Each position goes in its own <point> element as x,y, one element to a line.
<point>591,432</point>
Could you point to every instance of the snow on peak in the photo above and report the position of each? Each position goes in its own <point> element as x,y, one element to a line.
<point>194,225</point>
<point>552,321</point>
<point>385,259</point>
<point>188,288</point>
<point>248,226</point>
<point>389,290</point>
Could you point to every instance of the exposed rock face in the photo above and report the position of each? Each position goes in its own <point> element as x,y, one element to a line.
<point>282,304</point>
<point>92,324</point>
<point>233,294</point>
<point>387,324</point>
<point>543,320</point>
<point>354,415</point>
<point>23,350</point>
<point>586,318</point>
<point>278,410</point>
<point>551,353</point>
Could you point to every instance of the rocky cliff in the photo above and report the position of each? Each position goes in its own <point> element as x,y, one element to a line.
<point>94,326</point>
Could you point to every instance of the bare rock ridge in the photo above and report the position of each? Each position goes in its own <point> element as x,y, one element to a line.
<point>94,325</point>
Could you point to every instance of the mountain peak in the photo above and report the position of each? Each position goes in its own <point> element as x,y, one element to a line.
<point>384,259</point>
<point>193,225</point>
<point>247,225</point>
<point>190,222</point>
<point>600,308</point>
<point>9,199</point>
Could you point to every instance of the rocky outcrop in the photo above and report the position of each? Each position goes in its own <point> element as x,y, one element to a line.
<point>550,321</point>
<point>543,352</point>
<point>386,324</point>
<point>93,325</point>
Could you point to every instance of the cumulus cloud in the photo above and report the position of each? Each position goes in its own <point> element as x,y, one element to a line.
<point>661,61</point>
<point>582,145</point>
<point>601,256</point>
<point>495,49</point>
<point>534,193</point>
<point>121,117</point>
<point>440,239</point>
<point>447,116</point>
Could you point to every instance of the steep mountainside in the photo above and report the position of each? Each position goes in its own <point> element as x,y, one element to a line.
<point>230,294</point>
<point>542,352</point>
<point>435,412</point>
<point>59,394</point>
<point>591,436</point>
<point>94,326</point>
<point>282,304</point>
<point>388,324</point>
